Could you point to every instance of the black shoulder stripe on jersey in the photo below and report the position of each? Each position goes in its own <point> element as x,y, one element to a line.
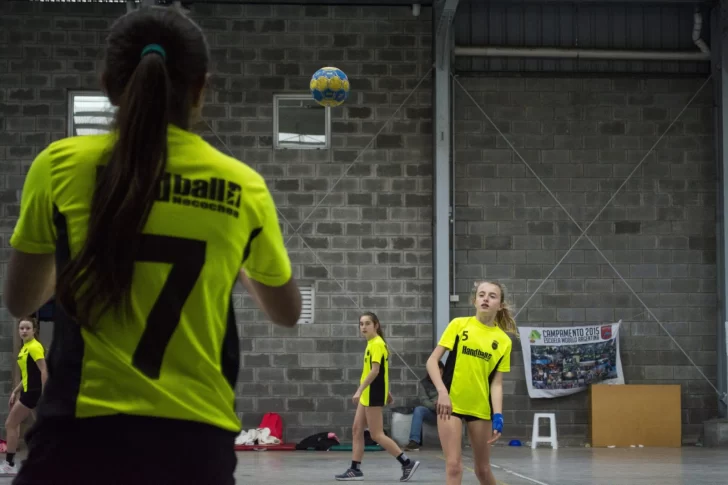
<point>490,383</point>
<point>449,371</point>
<point>230,351</point>
<point>492,373</point>
<point>65,357</point>
<point>253,234</point>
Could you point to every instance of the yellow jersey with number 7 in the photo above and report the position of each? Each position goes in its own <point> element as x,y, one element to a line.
<point>177,354</point>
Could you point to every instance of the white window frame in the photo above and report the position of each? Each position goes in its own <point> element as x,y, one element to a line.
<point>308,304</point>
<point>278,145</point>
<point>72,95</point>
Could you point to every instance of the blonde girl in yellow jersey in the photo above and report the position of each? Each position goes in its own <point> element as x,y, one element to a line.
<point>470,389</point>
<point>370,397</point>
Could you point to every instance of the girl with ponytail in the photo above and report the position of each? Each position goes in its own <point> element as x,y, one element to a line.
<point>369,398</point>
<point>471,386</point>
<point>141,234</point>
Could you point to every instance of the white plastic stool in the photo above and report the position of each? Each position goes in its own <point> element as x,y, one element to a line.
<point>537,438</point>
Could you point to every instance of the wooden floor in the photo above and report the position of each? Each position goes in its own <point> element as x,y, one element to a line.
<point>512,466</point>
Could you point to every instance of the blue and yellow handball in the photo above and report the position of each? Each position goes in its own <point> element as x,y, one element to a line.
<point>329,86</point>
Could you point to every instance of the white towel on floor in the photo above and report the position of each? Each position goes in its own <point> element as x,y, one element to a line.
<point>247,437</point>
<point>260,436</point>
<point>264,437</point>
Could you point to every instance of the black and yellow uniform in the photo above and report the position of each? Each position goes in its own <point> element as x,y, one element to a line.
<point>376,393</point>
<point>177,356</point>
<point>30,353</point>
<point>476,352</point>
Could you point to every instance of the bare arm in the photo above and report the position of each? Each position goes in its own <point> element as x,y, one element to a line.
<point>443,405</point>
<point>29,283</point>
<point>496,399</point>
<point>18,388</point>
<point>433,368</point>
<point>282,304</point>
<point>496,393</point>
<point>43,368</point>
<point>369,378</point>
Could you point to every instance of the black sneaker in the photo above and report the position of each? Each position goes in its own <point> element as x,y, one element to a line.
<point>412,446</point>
<point>408,471</point>
<point>350,475</point>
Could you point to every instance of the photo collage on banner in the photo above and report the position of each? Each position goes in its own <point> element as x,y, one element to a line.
<point>565,360</point>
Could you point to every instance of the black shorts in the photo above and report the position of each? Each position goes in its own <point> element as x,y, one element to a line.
<point>127,450</point>
<point>376,402</point>
<point>30,399</point>
<point>467,418</point>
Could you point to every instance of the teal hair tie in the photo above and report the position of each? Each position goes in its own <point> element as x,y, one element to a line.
<point>154,48</point>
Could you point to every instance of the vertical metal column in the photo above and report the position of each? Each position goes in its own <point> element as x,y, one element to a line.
<point>444,14</point>
<point>719,24</point>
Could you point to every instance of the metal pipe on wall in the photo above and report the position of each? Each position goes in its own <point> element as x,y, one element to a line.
<point>566,53</point>
<point>697,29</point>
<point>720,120</point>
<point>442,35</point>
<point>453,291</point>
<point>441,188</point>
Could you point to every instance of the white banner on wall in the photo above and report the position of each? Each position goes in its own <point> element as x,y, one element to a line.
<point>565,360</point>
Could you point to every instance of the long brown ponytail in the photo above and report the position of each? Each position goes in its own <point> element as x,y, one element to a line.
<point>152,85</point>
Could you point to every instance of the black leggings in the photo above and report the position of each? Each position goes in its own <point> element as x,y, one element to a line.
<point>126,450</point>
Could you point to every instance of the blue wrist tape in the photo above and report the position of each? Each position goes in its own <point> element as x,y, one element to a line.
<point>498,422</point>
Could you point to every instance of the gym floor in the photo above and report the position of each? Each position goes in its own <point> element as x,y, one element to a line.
<point>512,466</point>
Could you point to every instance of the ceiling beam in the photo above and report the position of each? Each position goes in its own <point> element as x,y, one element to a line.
<point>353,3</point>
<point>633,3</point>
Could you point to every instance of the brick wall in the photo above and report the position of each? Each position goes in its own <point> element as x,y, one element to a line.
<point>583,137</point>
<point>371,235</point>
<point>372,232</point>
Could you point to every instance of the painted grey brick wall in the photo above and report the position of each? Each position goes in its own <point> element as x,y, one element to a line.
<point>373,232</point>
<point>371,235</point>
<point>583,137</point>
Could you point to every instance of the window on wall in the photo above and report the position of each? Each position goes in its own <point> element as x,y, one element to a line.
<point>89,113</point>
<point>300,123</point>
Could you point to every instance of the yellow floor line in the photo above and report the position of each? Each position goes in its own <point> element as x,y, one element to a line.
<point>498,482</point>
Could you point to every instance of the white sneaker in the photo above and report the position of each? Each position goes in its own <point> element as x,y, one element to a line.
<point>8,470</point>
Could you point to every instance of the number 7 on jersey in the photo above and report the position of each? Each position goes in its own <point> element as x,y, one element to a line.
<point>187,257</point>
